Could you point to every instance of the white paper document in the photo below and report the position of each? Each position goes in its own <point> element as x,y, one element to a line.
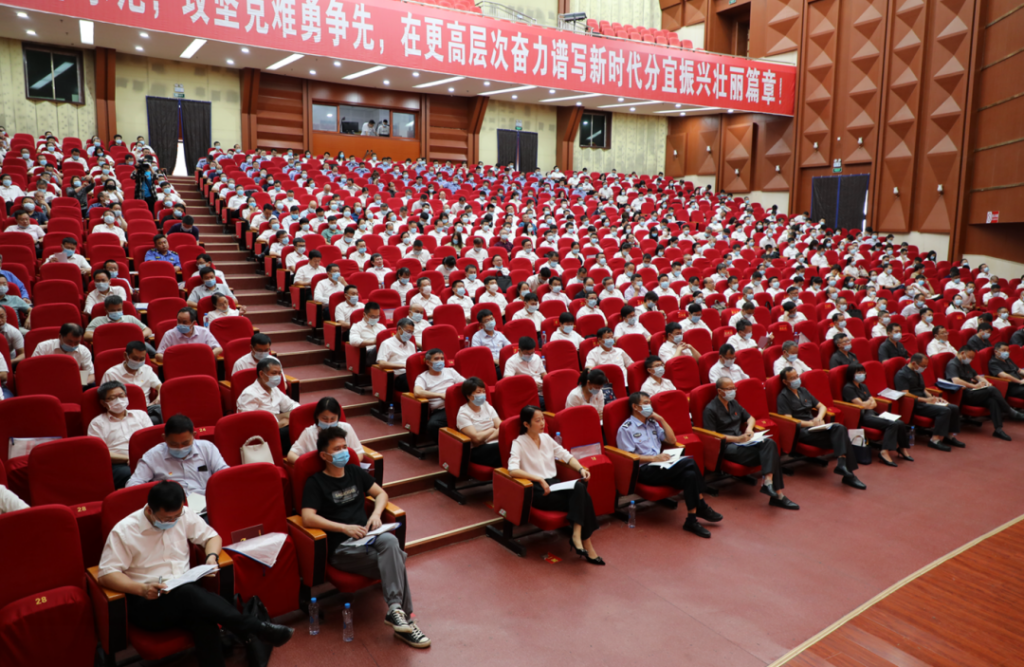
<point>562,486</point>
<point>891,416</point>
<point>189,577</point>
<point>823,427</point>
<point>947,386</point>
<point>891,394</point>
<point>758,437</point>
<point>196,503</point>
<point>677,456</point>
<point>372,535</point>
<point>264,549</point>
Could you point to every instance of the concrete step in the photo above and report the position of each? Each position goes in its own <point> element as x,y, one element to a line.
<point>280,332</point>
<point>249,281</point>
<point>268,314</point>
<point>300,353</point>
<point>254,297</point>
<point>226,252</point>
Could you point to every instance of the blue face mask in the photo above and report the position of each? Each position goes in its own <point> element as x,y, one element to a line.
<point>795,384</point>
<point>68,348</point>
<point>437,366</point>
<point>115,315</point>
<point>69,252</point>
<point>164,525</point>
<point>179,453</point>
<point>184,329</point>
<point>479,399</point>
<point>340,459</point>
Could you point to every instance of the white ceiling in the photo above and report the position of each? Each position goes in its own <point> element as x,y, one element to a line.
<point>59,30</point>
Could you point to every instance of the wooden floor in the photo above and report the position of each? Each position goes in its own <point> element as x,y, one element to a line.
<point>967,610</point>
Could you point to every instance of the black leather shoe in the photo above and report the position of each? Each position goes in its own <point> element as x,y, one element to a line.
<point>769,490</point>
<point>841,469</point>
<point>274,634</point>
<point>1017,415</point>
<point>891,464</point>
<point>905,457</point>
<point>1001,434</point>
<point>941,446</point>
<point>705,512</point>
<point>955,443</point>
<point>694,527</point>
<point>854,482</point>
<point>784,503</point>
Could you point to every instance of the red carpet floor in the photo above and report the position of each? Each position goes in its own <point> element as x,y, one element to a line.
<point>766,581</point>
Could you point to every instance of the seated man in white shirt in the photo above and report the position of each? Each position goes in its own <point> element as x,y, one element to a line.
<point>693,320</point>
<point>69,343</point>
<point>432,385</point>
<point>746,313</point>
<point>460,298</point>
<point>838,326</point>
<point>304,276</point>
<point>531,312</point>
<point>674,346</point>
<point>743,339</point>
<point>134,370</point>
<point>396,350</point>
<point>630,323</point>
<point>790,358</point>
<point>656,381</point>
<point>363,334</point>
<point>116,426</point>
<point>101,279</point>
<point>265,394</point>
<point>151,545</point>
<point>726,366</point>
<point>565,330</point>
<point>493,295</point>
<point>487,334</point>
<point>526,361</point>
<point>424,297</point>
<point>259,349</point>
<point>325,288</point>
<point>69,253</point>
<point>940,342</point>
<point>181,457</point>
<point>345,309</point>
<point>605,353</point>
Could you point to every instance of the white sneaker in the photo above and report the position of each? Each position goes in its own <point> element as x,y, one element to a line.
<point>398,620</point>
<point>414,638</point>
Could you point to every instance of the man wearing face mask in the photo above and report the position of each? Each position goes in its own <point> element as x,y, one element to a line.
<point>527,362</point>
<point>843,356</point>
<point>432,385</point>
<point>259,350</point>
<point>208,287</point>
<point>363,333</point>
<point>629,323</point>
<point>150,546</point>
<point>487,334</point>
<point>892,347</point>
<point>983,338</point>
<point>115,427</point>
<point>134,370</point>
<point>344,310</point>
<point>807,411</point>
<point>726,366</point>
<point>9,191</point>
<point>727,417</point>
<point>181,457</point>
<point>396,350</point>
<point>645,433</point>
<point>978,391</point>
<point>265,394</point>
<point>114,312</point>
<point>531,312</point>
<point>161,252</point>
<point>69,343</point>
<point>674,346</point>
<point>1002,367</point>
<point>187,333</point>
<point>743,339</point>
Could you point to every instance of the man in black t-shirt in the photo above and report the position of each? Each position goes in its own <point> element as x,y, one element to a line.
<point>334,501</point>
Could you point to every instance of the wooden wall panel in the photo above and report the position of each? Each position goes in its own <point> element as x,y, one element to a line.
<point>737,163</point>
<point>448,128</point>
<point>675,152</point>
<point>567,126</point>
<point>817,92</point>
<point>773,148</point>
<point>396,149</point>
<point>901,113</point>
<point>106,85</point>
<point>859,78</point>
<point>279,113</point>
<point>695,11</point>
<point>774,27</point>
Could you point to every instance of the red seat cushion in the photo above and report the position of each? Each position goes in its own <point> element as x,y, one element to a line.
<point>90,530</point>
<point>738,470</point>
<point>479,472</point>
<point>807,450</point>
<point>157,645</point>
<point>28,626</point>
<point>347,582</point>
<point>654,493</point>
<point>548,519</point>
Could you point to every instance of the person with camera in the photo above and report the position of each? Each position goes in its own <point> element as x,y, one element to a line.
<point>144,178</point>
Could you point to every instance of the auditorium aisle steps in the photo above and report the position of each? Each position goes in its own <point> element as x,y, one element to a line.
<point>434,520</point>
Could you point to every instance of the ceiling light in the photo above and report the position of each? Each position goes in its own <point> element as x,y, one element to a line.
<point>515,97</point>
<point>415,74</point>
<point>85,31</point>
<point>192,48</point>
<point>330,115</point>
<point>682,113</point>
<point>678,105</point>
<point>571,97</point>
<point>632,108</point>
<point>450,89</point>
<point>386,82</point>
<point>371,70</point>
<point>579,104</point>
<point>694,109</point>
<point>487,83</point>
<point>312,72</point>
<point>286,61</point>
<point>138,48</point>
<point>441,82</point>
<point>31,32</point>
<point>621,98</point>
<point>627,104</point>
<point>730,111</point>
<point>144,35</point>
<point>22,15</point>
<point>337,63</point>
<point>508,90</point>
<point>551,91</point>
<point>245,50</point>
<point>230,61</point>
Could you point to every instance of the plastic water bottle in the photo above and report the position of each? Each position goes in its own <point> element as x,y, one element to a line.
<point>206,320</point>
<point>911,434</point>
<point>558,438</point>
<point>632,514</point>
<point>314,617</point>
<point>391,414</point>
<point>543,337</point>
<point>347,632</point>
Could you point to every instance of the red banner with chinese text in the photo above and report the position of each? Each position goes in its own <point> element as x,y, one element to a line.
<point>388,32</point>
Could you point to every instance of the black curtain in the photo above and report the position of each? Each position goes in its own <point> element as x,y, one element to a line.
<point>839,200</point>
<point>527,151</point>
<point>163,115</point>
<point>196,120</point>
<point>508,147</point>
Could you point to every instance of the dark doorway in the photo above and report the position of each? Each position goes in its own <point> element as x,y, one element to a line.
<point>840,200</point>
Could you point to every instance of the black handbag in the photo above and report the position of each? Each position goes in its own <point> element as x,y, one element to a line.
<point>257,653</point>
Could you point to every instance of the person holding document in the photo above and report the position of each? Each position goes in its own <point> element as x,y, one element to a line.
<point>894,432</point>
<point>532,458</point>
<point>149,548</point>
<point>643,434</point>
<point>798,403</point>
<point>978,391</point>
<point>946,415</point>
<point>334,501</point>
<point>740,445</point>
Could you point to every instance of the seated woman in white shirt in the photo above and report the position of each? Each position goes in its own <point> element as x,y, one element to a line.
<point>656,381</point>
<point>555,293</point>
<point>493,295</point>
<point>459,297</point>
<point>606,353</point>
<point>221,307</point>
<point>533,458</point>
<point>478,421</point>
<point>115,427</point>
<point>326,414</point>
<point>590,391</point>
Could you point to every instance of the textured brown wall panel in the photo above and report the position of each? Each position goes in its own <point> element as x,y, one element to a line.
<point>773,147</point>
<point>774,27</point>
<point>692,137</point>
<point>675,149</point>
<point>695,11</point>
<point>737,162</point>
<point>818,70</point>
<point>859,78</point>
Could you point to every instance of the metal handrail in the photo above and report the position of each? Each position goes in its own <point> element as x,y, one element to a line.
<point>499,11</point>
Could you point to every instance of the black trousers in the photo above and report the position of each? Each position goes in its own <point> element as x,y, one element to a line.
<point>766,453</point>
<point>576,502</point>
<point>684,476</point>
<point>437,420</point>
<point>122,473</point>
<point>486,454</point>
<point>947,417</point>
<point>835,438</point>
<point>401,383</point>
<point>894,434</point>
<point>990,398</point>
<point>192,608</point>
<point>286,440</point>
<point>1015,391</point>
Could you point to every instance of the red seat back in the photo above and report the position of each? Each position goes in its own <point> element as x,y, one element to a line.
<point>51,530</point>
<point>30,417</point>
<point>195,396</point>
<point>514,393</point>
<point>70,471</point>
<point>477,362</point>
<point>115,336</point>
<point>51,374</point>
<point>229,328</point>
<point>557,386</point>
<point>182,360</point>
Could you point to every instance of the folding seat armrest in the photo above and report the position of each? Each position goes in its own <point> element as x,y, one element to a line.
<point>626,466</point>
<point>453,450</point>
<point>905,407</point>
<point>377,459</point>
<point>293,387</point>
<point>884,404</point>
<point>787,429</point>
<point>850,413</point>
<point>311,548</point>
<point>110,612</point>
<point>395,514</point>
<point>415,412</point>
<point>222,582</point>
<point>712,442</point>
<point>513,497</point>
<point>999,383</point>
<point>382,381</point>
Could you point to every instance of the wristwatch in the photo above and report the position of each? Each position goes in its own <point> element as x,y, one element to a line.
<point>216,555</point>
